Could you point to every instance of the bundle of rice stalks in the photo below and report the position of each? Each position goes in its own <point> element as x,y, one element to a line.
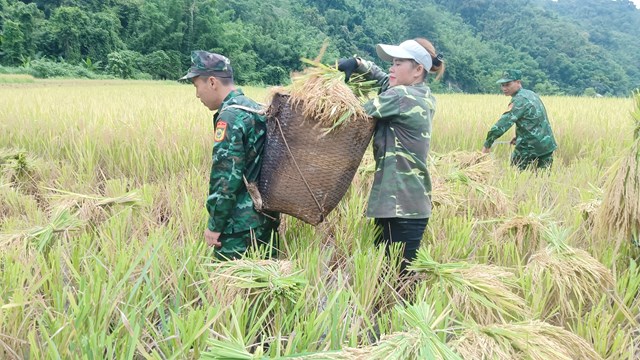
<point>474,165</point>
<point>568,281</point>
<point>232,349</point>
<point>91,208</point>
<point>487,201</point>
<point>465,159</point>
<point>14,164</point>
<point>477,345</point>
<point>524,230</point>
<point>18,168</point>
<point>264,280</point>
<point>482,200</point>
<point>589,210</point>
<point>535,340</point>
<point>485,293</point>
<point>407,345</point>
<point>443,196</point>
<point>442,192</point>
<point>620,209</point>
<point>42,237</point>
<point>322,95</point>
<point>421,341</point>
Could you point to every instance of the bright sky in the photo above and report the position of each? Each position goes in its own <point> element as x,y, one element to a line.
<point>637,2</point>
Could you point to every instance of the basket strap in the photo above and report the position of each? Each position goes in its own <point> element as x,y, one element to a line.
<point>262,111</point>
<point>298,168</point>
<point>251,187</point>
<point>254,193</point>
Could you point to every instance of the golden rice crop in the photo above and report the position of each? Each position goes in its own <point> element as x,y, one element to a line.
<point>571,280</point>
<point>322,95</point>
<point>525,230</point>
<point>620,209</point>
<point>533,340</point>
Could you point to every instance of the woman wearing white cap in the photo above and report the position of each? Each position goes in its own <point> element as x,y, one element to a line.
<point>400,199</point>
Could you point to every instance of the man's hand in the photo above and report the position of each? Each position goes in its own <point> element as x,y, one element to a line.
<point>486,150</point>
<point>347,66</point>
<point>513,141</point>
<point>212,238</point>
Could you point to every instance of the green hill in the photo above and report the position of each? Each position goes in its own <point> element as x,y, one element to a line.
<point>566,46</point>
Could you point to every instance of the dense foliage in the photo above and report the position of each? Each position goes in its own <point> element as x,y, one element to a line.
<point>566,46</point>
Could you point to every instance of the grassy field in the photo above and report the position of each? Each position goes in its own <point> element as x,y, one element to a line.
<point>102,187</point>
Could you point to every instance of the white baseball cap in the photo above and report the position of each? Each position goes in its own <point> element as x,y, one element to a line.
<point>409,49</point>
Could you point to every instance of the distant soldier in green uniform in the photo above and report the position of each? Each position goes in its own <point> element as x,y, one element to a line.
<point>238,140</point>
<point>534,139</point>
<point>400,199</point>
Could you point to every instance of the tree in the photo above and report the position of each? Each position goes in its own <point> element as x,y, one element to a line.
<point>12,43</point>
<point>123,64</point>
<point>70,27</point>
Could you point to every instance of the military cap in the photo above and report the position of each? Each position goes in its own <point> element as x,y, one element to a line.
<point>510,75</point>
<point>206,63</point>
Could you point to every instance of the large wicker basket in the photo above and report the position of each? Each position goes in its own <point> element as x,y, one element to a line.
<point>305,174</point>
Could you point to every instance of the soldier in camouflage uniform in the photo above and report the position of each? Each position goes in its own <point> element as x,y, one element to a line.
<point>400,199</point>
<point>534,139</point>
<point>234,223</point>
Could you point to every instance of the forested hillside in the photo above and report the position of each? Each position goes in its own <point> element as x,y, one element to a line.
<point>563,47</point>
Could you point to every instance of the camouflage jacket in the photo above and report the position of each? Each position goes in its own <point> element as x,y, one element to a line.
<point>238,143</point>
<point>533,131</point>
<point>401,184</point>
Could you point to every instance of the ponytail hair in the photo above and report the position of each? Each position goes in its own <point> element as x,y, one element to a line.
<point>436,59</point>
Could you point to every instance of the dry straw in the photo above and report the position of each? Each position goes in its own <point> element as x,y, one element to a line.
<point>535,340</point>
<point>485,293</point>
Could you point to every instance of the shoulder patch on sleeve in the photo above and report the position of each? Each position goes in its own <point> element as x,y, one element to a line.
<point>221,130</point>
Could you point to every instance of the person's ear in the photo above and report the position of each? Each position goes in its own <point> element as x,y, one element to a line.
<point>212,81</point>
<point>419,69</point>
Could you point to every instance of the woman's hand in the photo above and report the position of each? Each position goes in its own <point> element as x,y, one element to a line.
<point>348,66</point>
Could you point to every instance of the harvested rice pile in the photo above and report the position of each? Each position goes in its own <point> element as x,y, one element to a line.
<point>620,209</point>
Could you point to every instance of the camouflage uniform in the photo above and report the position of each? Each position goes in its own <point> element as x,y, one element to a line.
<point>401,184</point>
<point>534,139</point>
<point>239,138</point>
<point>238,144</point>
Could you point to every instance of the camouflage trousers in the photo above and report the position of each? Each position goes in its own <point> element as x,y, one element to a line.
<point>524,162</point>
<point>263,238</point>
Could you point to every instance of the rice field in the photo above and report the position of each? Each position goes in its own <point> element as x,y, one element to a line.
<point>102,190</point>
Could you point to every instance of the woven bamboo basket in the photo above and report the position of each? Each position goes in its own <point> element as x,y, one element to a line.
<point>305,173</point>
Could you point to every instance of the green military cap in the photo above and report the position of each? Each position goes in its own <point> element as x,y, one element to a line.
<point>510,75</point>
<point>207,63</point>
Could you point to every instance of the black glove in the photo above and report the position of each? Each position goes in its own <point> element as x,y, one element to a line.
<point>347,66</point>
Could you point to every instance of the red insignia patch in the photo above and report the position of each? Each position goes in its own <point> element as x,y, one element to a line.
<point>221,130</point>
